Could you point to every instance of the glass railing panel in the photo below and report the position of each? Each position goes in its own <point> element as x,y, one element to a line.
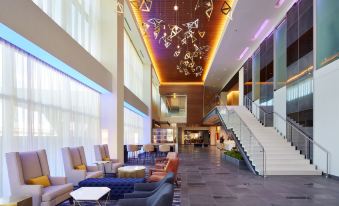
<point>254,150</point>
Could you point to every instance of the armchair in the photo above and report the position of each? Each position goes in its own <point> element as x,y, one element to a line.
<point>162,197</point>
<point>158,174</point>
<point>23,166</point>
<point>74,157</point>
<point>102,154</point>
<point>161,162</point>
<point>142,190</point>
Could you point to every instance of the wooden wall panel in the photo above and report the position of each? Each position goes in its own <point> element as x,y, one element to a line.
<point>194,100</point>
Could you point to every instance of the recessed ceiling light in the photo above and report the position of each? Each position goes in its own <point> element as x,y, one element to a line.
<point>175,7</point>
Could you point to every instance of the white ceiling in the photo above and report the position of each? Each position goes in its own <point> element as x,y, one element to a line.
<point>248,16</point>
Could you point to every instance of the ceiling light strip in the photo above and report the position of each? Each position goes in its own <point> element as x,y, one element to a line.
<point>243,53</point>
<point>261,29</point>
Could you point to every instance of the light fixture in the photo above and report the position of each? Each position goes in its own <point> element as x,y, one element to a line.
<point>243,53</point>
<point>278,3</point>
<point>174,95</point>
<point>175,7</point>
<point>261,28</point>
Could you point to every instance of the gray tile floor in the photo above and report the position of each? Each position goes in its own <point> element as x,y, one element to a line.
<point>208,180</point>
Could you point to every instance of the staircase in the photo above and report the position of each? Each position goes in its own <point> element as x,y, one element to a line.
<point>268,152</point>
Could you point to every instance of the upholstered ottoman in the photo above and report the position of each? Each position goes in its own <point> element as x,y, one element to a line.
<point>118,186</point>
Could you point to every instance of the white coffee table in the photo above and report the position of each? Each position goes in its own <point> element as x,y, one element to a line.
<point>90,194</point>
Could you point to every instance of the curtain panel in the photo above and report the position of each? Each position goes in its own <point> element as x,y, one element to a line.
<point>41,108</point>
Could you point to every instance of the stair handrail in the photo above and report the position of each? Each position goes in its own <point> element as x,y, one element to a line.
<point>294,127</point>
<point>251,133</point>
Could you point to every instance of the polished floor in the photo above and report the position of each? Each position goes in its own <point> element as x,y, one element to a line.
<point>208,180</point>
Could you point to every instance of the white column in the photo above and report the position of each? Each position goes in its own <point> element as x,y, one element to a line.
<point>241,87</point>
<point>112,57</point>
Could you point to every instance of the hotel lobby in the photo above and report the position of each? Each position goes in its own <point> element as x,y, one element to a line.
<point>169,102</point>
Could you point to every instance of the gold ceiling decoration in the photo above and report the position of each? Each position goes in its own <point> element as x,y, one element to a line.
<point>175,30</point>
<point>226,8</point>
<point>186,37</point>
<point>192,25</point>
<point>209,9</point>
<point>156,22</point>
<point>144,27</point>
<point>119,7</point>
<point>146,5</point>
<point>201,34</point>
<point>177,53</point>
<point>156,32</point>
<point>207,5</point>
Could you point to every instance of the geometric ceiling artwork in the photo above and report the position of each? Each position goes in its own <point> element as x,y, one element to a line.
<point>182,36</point>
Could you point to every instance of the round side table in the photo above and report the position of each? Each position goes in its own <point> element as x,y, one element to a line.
<point>131,172</point>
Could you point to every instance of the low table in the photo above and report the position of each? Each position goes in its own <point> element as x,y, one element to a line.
<point>90,194</point>
<point>131,172</point>
<point>16,201</point>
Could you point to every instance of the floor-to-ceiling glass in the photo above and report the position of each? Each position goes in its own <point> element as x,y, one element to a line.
<point>300,74</point>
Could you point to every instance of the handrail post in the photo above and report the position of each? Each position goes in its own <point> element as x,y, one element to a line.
<point>327,165</point>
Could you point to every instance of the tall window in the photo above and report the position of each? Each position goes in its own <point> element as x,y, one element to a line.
<point>41,108</point>
<point>133,127</point>
<point>327,32</point>
<point>133,66</point>
<point>79,18</point>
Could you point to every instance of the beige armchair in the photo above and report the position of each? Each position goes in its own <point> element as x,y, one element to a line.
<point>73,157</point>
<point>23,166</point>
<point>102,154</point>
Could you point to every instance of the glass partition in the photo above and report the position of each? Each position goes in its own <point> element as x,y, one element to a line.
<point>327,31</point>
<point>299,105</point>
<point>280,57</point>
<point>256,75</point>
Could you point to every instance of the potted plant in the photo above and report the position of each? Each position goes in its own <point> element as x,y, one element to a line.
<point>234,156</point>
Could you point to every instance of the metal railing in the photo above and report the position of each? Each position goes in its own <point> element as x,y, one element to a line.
<point>249,142</point>
<point>298,138</point>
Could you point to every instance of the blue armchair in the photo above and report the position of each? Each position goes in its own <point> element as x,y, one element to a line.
<point>162,197</point>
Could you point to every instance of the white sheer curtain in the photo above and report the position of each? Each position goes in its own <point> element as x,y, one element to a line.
<point>133,68</point>
<point>41,108</point>
<point>79,18</point>
<point>133,127</point>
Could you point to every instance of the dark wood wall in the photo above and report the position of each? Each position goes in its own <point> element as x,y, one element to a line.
<point>194,100</point>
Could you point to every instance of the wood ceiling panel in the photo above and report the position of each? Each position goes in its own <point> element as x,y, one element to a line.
<point>163,59</point>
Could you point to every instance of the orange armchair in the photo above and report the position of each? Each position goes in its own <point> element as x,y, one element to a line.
<point>158,174</point>
<point>160,163</point>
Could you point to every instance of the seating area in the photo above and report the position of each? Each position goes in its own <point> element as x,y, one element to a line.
<point>30,176</point>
